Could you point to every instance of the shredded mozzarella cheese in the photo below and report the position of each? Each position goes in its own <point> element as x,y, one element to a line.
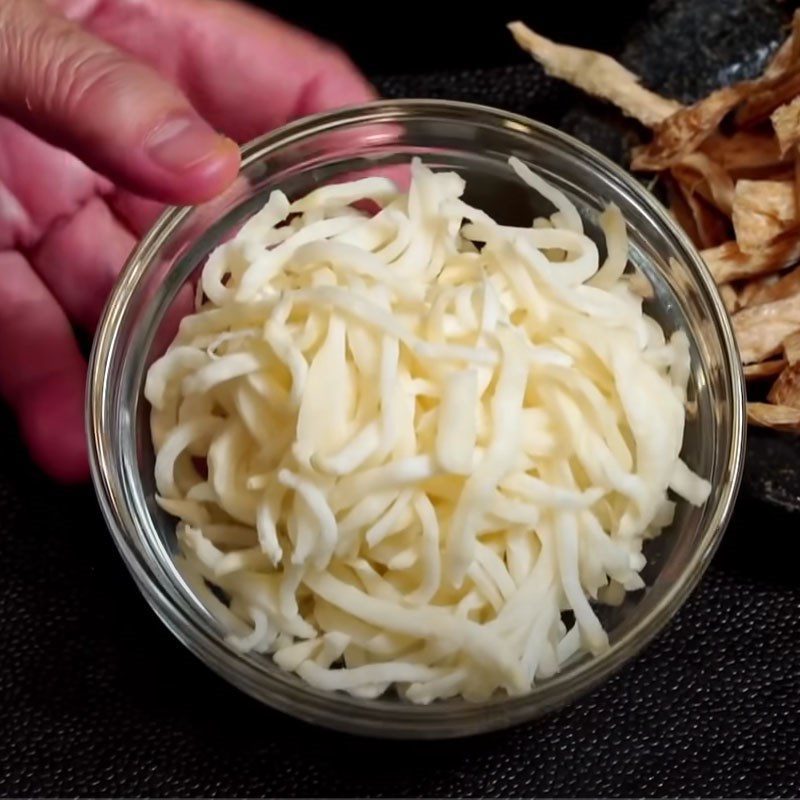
<point>426,436</point>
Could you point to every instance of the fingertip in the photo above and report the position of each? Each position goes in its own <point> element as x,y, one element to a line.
<point>221,170</point>
<point>193,163</point>
<point>52,424</point>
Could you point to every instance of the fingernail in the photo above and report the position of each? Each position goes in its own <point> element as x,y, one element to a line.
<point>181,143</point>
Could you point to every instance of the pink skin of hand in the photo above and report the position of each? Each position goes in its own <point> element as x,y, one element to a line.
<point>134,92</point>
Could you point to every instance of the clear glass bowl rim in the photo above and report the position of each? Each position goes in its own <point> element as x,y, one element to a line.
<point>382,718</point>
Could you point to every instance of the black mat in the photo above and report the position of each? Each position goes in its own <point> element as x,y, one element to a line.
<point>96,698</point>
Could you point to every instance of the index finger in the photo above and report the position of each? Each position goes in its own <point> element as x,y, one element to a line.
<point>244,70</point>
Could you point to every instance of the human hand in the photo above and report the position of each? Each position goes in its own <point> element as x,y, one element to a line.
<point>111,108</point>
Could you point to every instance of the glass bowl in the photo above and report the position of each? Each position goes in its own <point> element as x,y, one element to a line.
<point>151,295</point>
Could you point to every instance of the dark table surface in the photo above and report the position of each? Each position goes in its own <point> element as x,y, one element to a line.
<point>96,698</point>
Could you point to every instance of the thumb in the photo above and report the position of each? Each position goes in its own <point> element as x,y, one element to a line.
<point>116,114</point>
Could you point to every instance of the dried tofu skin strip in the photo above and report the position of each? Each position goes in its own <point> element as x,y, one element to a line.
<point>762,211</point>
<point>791,347</point>
<point>777,81</point>
<point>760,331</point>
<point>728,263</point>
<point>686,130</point>
<point>795,178</point>
<point>730,297</point>
<point>419,452</point>
<point>786,122</point>
<point>597,74</point>
<point>709,228</point>
<point>788,53</point>
<point>777,418</point>
<point>773,287</point>
<point>682,211</point>
<point>767,95</point>
<point>764,369</point>
<point>744,153</point>
<point>786,390</point>
<point>701,173</point>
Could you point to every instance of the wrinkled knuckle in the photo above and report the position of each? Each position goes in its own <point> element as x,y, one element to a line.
<point>20,41</point>
<point>82,79</point>
<point>50,63</point>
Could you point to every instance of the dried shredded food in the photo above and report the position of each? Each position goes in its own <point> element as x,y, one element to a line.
<point>786,390</point>
<point>779,418</point>
<point>762,211</point>
<point>703,174</point>
<point>760,330</point>
<point>728,263</point>
<point>686,130</point>
<point>745,154</point>
<point>786,122</point>
<point>597,74</point>
<point>791,347</point>
<point>772,287</point>
<point>732,167</point>
<point>707,226</point>
<point>764,369</point>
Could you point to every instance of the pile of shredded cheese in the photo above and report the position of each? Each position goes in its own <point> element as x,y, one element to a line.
<point>404,443</point>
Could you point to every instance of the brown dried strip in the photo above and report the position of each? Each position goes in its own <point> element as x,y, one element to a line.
<point>767,94</point>
<point>786,390</point>
<point>730,298</point>
<point>770,288</point>
<point>711,226</point>
<point>705,175</point>
<point>681,211</point>
<point>780,67</point>
<point>686,130</point>
<point>791,347</point>
<point>796,177</point>
<point>788,53</point>
<point>598,74</point>
<point>786,122</point>
<point>779,418</point>
<point>744,154</point>
<point>751,292</point>
<point>782,59</point>
<point>728,263</point>
<point>762,211</point>
<point>760,331</point>
<point>764,369</point>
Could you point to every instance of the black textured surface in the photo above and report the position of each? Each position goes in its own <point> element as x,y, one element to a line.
<point>425,37</point>
<point>96,698</point>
